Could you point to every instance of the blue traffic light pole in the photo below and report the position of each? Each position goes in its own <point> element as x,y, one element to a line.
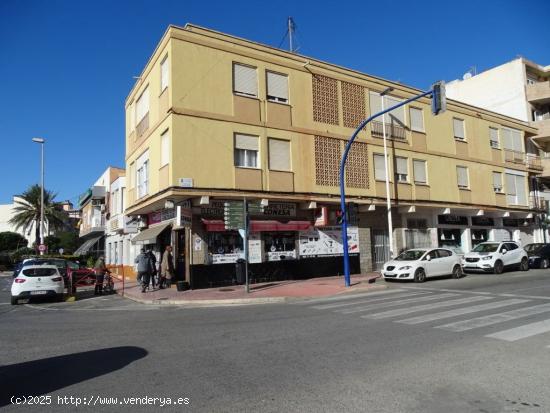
<point>435,109</point>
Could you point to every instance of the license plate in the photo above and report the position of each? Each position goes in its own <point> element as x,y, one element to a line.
<point>390,274</point>
<point>38,292</point>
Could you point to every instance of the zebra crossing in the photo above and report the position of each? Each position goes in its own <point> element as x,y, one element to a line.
<point>448,310</point>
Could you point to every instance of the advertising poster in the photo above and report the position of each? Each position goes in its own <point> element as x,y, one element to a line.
<point>327,241</point>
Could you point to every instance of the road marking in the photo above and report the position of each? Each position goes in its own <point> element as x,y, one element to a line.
<point>407,294</point>
<point>351,296</point>
<point>401,311</point>
<point>395,303</point>
<point>460,311</point>
<point>495,318</point>
<point>524,331</point>
<point>450,290</point>
<point>534,297</point>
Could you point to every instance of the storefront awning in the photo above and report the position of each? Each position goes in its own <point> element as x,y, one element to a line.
<point>217,225</point>
<point>87,246</point>
<point>149,235</point>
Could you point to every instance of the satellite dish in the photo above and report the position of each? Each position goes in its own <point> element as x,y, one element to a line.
<point>467,75</point>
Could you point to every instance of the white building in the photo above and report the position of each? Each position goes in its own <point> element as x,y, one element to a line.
<point>7,212</point>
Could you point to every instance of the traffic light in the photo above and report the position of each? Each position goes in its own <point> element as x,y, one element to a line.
<point>439,99</point>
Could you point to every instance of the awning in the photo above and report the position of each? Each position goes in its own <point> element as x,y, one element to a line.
<point>149,235</point>
<point>217,225</point>
<point>87,246</point>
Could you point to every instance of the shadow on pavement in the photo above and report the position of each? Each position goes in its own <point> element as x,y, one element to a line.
<point>44,376</point>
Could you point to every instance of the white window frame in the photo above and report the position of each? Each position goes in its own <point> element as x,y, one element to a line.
<point>380,156</point>
<point>463,138</point>
<point>495,144</point>
<point>401,177</point>
<point>414,108</point>
<point>246,152</point>
<point>425,165</point>
<point>164,74</point>
<point>142,175</point>
<point>513,195</point>
<point>165,148</point>
<point>467,186</point>
<point>498,188</point>
<point>144,93</point>
<point>272,97</point>
<point>240,92</point>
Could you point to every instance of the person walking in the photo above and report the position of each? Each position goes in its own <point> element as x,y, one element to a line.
<point>166,268</point>
<point>100,270</point>
<point>154,272</point>
<point>144,269</point>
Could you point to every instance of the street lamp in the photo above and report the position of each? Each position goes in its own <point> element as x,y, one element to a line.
<point>41,141</point>
<point>388,197</point>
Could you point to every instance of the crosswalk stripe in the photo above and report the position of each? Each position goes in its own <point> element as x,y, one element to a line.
<point>527,330</point>
<point>351,296</point>
<point>460,311</point>
<point>396,303</point>
<point>401,311</point>
<point>495,318</point>
<point>368,300</point>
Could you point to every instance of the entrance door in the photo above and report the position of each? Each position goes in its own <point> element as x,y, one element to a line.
<point>380,248</point>
<point>180,255</point>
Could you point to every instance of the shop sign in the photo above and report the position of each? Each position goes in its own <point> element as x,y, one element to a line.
<point>281,255</point>
<point>327,241</point>
<point>483,221</point>
<point>452,220</point>
<point>280,209</point>
<point>213,209</point>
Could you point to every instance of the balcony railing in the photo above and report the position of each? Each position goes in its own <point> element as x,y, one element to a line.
<point>142,126</point>
<point>533,161</point>
<point>530,160</point>
<point>538,203</point>
<point>392,131</point>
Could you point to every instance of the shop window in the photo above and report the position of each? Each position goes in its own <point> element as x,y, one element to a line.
<point>229,242</point>
<point>280,242</point>
<point>450,238</point>
<point>479,236</point>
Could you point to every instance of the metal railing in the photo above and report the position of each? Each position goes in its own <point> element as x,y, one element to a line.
<point>538,203</point>
<point>392,131</point>
<point>530,160</point>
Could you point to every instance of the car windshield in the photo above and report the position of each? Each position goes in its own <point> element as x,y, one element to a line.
<point>410,255</point>
<point>533,247</point>
<point>39,272</point>
<point>486,248</point>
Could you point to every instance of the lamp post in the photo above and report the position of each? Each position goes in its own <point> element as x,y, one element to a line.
<point>41,141</point>
<point>386,167</point>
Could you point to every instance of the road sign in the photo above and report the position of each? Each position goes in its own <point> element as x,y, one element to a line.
<point>42,248</point>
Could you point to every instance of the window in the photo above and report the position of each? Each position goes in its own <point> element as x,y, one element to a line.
<point>375,103</point>
<point>277,87</point>
<point>246,151</point>
<point>142,175</point>
<point>417,119</point>
<point>131,117</point>
<point>462,177</point>
<point>458,129</point>
<point>279,154</point>
<point>511,139</point>
<point>419,169</point>
<point>164,148</point>
<point>379,168</point>
<point>164,74</point>
<point>493,138</point>
<point>142,105</point>
<point>516,189</point>
<point>401,169</point>
<point>497,182</point>
<point>131,175</point>
<point>245,81</point>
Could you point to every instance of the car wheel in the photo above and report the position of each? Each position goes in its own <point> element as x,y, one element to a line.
<point>13,300</point>
<point>543,264</point>
<point>457,272</point>
<point>419,276</point>
<point>498,268</point>
<point>524,265</point>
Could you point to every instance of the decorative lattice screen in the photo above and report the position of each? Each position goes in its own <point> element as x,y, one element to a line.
<point>325,99</point>
<point>357,167</point>
<point>353,104</point>
<point>327,161</point>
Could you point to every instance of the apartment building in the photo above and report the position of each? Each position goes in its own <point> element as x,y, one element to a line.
<point>214,118</point>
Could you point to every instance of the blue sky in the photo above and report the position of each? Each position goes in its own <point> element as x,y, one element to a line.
<point>67,66</point>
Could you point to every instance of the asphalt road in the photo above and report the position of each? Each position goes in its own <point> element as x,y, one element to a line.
<point>478,344</point>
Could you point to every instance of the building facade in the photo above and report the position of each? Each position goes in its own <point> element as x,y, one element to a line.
<point>215,118</point>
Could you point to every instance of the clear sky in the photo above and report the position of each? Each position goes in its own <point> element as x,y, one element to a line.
<point>66,67</point>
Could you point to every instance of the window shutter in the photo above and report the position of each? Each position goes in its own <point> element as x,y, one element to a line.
<point>507,142</point>
<point>511,189</point>
<point>497,180</point>
<point>458,127</point>
<point>417,120</point>
<point>520,190</point>
<point>246,142</point>
<point>401,166</point>
<point>516,140</point>
<point>142,105</point>
<point>462,176</point>
<point>164,148</point>
<point>419,171</point>
<point>277,86</point>
<point>398,113</point>
<point>164,74</point>
<point>379,168</point>
<point>279,154</point>
<point>493,134</point>
<point>375,104</point>
<point>245,80</point>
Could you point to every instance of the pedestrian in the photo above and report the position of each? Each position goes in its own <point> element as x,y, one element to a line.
<point>100,270</point>
<point>166,268</point>
<point>144,269</point>
<point>154,264</point>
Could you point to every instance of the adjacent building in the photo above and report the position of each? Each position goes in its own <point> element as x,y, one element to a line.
<point>216,118</point>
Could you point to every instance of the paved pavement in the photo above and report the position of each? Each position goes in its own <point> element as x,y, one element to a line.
<point>478,344</point>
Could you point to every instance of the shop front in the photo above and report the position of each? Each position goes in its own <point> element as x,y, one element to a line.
<point>452,232</point>
<point>480,230</point>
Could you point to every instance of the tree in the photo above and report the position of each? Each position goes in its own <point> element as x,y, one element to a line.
<point>11,241</point>
<point>27,211</point>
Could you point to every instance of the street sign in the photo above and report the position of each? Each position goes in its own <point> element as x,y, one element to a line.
<point>42,248</point>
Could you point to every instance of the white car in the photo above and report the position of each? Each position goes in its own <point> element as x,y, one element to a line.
<point>37,281</point>
<point>495,257</point>
<point>419,264</point>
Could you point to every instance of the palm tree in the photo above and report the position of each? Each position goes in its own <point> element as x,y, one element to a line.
<point>27,211</point>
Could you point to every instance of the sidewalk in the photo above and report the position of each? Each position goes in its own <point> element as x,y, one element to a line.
<point>261,293</point>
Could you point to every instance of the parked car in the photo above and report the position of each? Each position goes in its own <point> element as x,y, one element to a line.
<point>39,281</point>
<point>495,257</point>
<point>16,268</point>
<point>67,269</point>
<point>539,255</point>
<point>421,263</point>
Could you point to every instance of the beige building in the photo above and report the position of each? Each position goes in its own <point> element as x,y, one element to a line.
<point>214,118</point>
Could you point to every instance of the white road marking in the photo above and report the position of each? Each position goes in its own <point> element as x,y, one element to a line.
<point>534,297</point>
<point>426,307</point>
<point>527,330</point>
<point>366,300</point>
<point>460,311</point>
<point>350,296</point>
<point>432,297</point>
<point>495,318</point>
<point>450,290</point>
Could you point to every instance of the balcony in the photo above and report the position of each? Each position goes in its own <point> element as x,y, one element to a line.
<point>95,225</point>
<point>538,203</point>
<point>539,92</point>
<point>542,138</point>
<point>528,159</point>
<point>392,131</point>
<point>122,223</point>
